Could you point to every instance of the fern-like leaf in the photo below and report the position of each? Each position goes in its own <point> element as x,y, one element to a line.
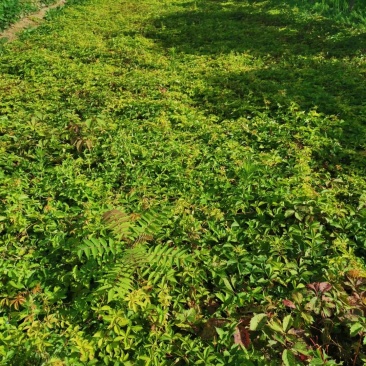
<point>118,264</point>
<point>119,222</point>
<point>99,249</point>
<point>120,277</point>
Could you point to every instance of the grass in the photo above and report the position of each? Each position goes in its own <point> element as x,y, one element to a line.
<point>244,120</point>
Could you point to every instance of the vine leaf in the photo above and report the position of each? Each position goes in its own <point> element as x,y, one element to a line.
<point>257,322</point>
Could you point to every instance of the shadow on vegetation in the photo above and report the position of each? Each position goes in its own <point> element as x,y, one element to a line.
<point>315,63</point>
<point>210,27</point>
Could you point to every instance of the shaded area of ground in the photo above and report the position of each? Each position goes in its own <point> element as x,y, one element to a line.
<point>298,60</point>
<point>287,59</point>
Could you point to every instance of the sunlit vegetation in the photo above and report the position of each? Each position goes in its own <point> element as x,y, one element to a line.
<point>12,10</point>
<point>183,183</point>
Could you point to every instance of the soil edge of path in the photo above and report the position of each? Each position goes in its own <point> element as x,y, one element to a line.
<point>34,19</point>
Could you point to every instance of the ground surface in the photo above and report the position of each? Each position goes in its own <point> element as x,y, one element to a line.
<point>168,169</point>
<point>28,21</point>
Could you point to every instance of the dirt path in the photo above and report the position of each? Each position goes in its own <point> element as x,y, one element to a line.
<point>31,20</point>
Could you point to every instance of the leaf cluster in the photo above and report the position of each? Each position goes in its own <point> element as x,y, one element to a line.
<point>182,183</point>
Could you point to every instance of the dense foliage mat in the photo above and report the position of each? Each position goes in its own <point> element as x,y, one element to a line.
<point>183,183</point>
<point>344,11</point>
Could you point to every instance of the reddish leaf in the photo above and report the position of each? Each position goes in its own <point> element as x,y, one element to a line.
<point>241,336</point>
<point>302,357</point>
<point>313,286</point>
<point>352,300</point>
<point>289,304</point>
<point>324,286</point>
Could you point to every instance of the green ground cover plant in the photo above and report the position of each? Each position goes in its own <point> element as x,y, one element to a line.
<point>9,11</point>
<point>12,10</point>
<point>344,11</point>
<point>183,183</point>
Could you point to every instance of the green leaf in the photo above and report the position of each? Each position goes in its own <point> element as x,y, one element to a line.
<point>122,322</point>
<point>18,286</point>
<point>316,361</point>
<point>355,329</point>
<point>111,294</point>
<point>297,296</point>
<point>228,285</point>
<point>288,358</point>
<point>307,317</point>
<point>289,213</point>
<point>220,332</point>
<point>301,347</point>
<point>105,308</point>
<point>274,325</point>
<point>257,322</point>
<point>287,322</point>
<point>299,216</point>
<point>279,338</point>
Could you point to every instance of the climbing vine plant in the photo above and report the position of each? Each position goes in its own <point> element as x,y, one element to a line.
<point>183,183</point>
